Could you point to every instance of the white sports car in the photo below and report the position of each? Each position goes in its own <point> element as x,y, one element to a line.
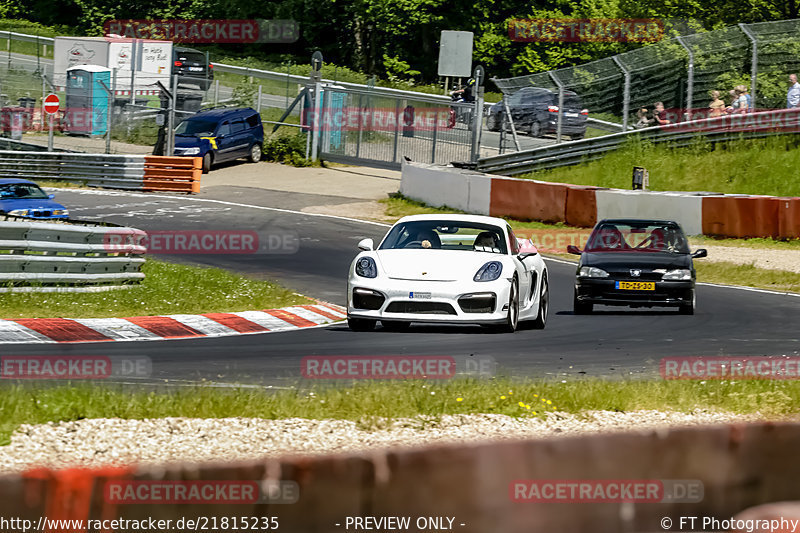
<point>462,269</point>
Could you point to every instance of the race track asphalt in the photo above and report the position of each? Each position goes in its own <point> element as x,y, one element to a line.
<point>610,343</point>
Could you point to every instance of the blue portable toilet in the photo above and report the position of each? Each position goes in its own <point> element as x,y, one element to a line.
<point>87,101</point>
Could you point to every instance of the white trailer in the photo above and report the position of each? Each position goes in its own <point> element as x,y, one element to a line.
<point>152,61</point>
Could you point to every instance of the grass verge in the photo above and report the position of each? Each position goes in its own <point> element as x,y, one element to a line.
<point>167,289</point>
<point>370,402</point>
<point>757,166</point>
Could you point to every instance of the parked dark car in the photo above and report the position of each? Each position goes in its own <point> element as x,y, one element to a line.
<point>636,263</point>
<point>535,112</point>
<point>221,134</point>
<point>23,198</point>
<point>191,67</point>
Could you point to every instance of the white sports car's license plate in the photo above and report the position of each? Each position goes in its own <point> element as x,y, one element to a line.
<point>419,295</point>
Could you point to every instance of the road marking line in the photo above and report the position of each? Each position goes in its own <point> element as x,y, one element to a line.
<point>164,326</point>
<point>206,324</point>
<point>291,317</point>
<point>117,329</point>
<point>62,329</point>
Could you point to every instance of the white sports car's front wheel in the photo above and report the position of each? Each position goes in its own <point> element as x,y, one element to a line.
<point>512,319</point>
<point>544,305</point>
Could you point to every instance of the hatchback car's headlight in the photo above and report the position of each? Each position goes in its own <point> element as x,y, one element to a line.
<point>489,272</point>
<point>60,212</point>
<point>592,272</point>
<point>680,274</point>
<point>19,212</point>
<point>191,151</point>
<point>366,268</point>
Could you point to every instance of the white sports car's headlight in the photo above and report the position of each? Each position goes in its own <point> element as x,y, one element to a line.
<point>489,272</point>
<point>592,272</point>
<point>366,268</point>
<point>679,274</point>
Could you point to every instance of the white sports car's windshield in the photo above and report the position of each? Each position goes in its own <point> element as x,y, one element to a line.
<point>446,235</point>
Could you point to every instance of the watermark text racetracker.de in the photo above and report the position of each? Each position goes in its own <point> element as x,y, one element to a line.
<point>396,366</point>
<point>74,367</point>
<point>201,242</point>
<point>606,490</point>
<point>207,31</point>
<point>729,367</point>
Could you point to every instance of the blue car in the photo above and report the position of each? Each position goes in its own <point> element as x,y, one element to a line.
<point>24,198</point>
<point>221,134</point>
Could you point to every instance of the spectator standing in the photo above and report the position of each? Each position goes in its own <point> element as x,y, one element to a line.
<point>660,114</point>
<point>644,121</point>
<point>742,89</point>
<point>793,96</point>
<point>717,105</point>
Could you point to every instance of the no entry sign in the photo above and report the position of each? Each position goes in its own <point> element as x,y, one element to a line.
<point>51,104</point>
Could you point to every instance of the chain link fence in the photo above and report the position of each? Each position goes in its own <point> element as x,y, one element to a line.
<point>681,72</point>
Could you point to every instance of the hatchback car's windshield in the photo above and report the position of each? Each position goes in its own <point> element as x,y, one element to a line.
<point>644,237</point>
<point>196,127</point>
<point>21,190</point>
<point>446,235</point>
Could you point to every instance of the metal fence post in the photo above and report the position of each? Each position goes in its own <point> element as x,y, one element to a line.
<point>626,92</point>
<point>110,111</point>
<point>396,129</point>
<point>560,104</point>
<point>753,62</point>
<point>477,114</point>
<point>216,92</point>
<point>690,80</point>
<point>315,127</point>
<point>258,103</point>
<point>134,56</point>
<point>171,117</point>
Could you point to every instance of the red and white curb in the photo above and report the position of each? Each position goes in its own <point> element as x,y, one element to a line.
<point>153,328</point>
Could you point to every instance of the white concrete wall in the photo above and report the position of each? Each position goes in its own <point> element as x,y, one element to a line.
<point>439,186</point>
<point>685,209</point>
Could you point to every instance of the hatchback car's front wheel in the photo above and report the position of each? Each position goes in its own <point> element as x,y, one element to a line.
<point>536,129</point>
<point>361,324</point>
<point>581,308</point>
<point>255,153</point>
<point>687,308</point>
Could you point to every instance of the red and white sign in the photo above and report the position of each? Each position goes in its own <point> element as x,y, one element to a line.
<point>51,104</point>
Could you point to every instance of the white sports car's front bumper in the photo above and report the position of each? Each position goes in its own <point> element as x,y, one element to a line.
<point>428,301</point>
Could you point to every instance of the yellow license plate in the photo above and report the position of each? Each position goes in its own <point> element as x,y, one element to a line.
<point>636,285</point>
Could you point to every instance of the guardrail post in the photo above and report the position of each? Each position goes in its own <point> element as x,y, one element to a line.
<point>172,104</point>
<point>258,103</point>
<point>477,114</point>
<point>560,103</point>
<point>753,62</point>
<point>690,80</point>
<point>626,92</point>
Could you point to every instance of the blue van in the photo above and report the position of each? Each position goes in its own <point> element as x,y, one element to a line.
<point>221,134</point>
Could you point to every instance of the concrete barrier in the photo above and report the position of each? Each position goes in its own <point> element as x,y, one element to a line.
<point>741,216</point>
<point>739,466</point>
<point>581,208</point>
<point>528,200</point>
<point>684,209</point>
<point>440,186</point>
<point>789,218</point>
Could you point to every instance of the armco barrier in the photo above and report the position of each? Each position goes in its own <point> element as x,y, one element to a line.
<point>133,172</point>
<point>739,466</point>
<point>65,256</point>
<point>528,200</point>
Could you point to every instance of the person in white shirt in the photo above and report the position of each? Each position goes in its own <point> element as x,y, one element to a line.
<point>793,96</point>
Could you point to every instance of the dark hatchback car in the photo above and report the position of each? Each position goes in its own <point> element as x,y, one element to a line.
<point>192,68</point>
<point>535,111</point>
<point>221,134</point>
<point>636,263</point>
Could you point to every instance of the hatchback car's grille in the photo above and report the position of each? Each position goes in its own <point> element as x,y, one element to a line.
<point>425,308</point>
<point>644,275</point>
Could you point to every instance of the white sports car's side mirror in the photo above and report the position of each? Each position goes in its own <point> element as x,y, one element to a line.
<point>366,245</point>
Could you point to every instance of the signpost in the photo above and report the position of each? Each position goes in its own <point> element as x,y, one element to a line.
<point>455,55</point>
<point>50,104</point>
